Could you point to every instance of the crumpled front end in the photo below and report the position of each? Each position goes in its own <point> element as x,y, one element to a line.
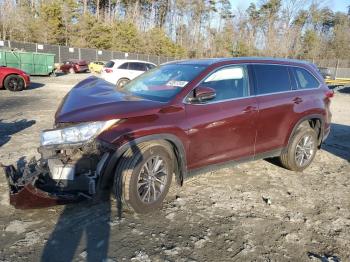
<point>61,176</point>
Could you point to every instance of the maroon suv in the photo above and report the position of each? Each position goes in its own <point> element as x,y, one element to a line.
<point>174,120</point>
<point>74,66</point>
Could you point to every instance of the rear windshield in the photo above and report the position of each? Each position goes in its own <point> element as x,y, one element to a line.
<point>163,83</point>
<point>109,64</point>
<point>82,62</point>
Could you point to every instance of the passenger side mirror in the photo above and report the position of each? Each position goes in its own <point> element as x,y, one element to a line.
<point>202,94</point>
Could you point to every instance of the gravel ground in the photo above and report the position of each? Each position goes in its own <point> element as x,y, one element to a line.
<point>254,211</point>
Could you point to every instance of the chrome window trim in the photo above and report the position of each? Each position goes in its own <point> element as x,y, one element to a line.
<point>255,95</point>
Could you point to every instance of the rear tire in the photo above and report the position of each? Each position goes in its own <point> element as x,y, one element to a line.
<point>14,83</point>
<point>301,150</point>
<point>122,82</point>
<point>143,176</point>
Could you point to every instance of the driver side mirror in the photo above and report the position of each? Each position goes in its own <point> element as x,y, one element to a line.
<point>202,94</point>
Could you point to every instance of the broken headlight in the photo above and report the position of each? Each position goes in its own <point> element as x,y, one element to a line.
<point>75,134</point>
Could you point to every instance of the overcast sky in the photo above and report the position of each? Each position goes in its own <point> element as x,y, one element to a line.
<point>335,5</point>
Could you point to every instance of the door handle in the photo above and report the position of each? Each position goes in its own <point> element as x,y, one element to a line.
<point>249,109</point>
<point>297,100</point>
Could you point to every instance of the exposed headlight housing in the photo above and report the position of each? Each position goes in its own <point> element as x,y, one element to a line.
<point>75,134</point>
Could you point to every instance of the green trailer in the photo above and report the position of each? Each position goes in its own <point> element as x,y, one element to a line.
<point>30,62</point>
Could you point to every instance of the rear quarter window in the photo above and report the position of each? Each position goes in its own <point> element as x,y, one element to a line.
<point>305,79</point>
<point>271,79</point>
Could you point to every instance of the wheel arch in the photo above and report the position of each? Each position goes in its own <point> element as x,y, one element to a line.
<point>123,78</point>
<point>178,150</point>
<point>315,121</point>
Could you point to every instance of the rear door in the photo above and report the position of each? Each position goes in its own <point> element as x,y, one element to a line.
<point>136,69</point>
<point>276,100</point>
<point>120,71</point>
<point>223,128</point>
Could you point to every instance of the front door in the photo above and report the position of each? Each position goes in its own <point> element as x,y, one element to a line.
<point>223,128</point>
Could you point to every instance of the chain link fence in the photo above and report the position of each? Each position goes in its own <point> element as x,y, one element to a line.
<point>339,68</point>
<point>63,53</point>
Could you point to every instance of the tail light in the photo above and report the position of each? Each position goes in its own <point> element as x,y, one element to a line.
<point>107,70</point>
<point>330,94</point>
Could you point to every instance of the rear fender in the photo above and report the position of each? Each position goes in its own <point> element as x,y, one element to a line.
<point>306,118</point>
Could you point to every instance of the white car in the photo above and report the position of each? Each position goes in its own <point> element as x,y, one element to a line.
<point>121,71</point>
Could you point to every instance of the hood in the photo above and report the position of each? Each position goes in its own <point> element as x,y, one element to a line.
<point>94,99</point>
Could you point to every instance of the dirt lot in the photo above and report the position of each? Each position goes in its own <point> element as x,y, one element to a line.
<point>251,212</point>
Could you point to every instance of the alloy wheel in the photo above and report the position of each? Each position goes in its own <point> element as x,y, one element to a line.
<point>152,179</point>
<point>14,84</point>
<point>304,150</point>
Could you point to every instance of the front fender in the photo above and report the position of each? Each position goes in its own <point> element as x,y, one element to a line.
<point>179,151</point>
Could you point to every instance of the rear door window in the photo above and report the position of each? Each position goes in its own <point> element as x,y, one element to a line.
<point>271,79</point>
<point>305,79</point>
<point>137,66</point>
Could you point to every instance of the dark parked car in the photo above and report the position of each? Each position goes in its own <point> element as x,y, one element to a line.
<point>74,66</point>
<point>175,120</point>
<point>325,72</point>
<point>13,79</point>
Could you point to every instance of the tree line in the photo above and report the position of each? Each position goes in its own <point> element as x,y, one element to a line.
<point>182,28</point>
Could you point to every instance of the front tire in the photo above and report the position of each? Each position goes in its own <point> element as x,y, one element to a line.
<point>143,176</point>
<point>14,83</point>
<point>301,150</point>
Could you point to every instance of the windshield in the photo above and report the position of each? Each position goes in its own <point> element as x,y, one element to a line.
<point>163,83</point>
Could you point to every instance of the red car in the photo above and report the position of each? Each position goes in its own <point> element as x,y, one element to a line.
<point>13,79</point>
<point>175,120</point>
<point>74,66</point>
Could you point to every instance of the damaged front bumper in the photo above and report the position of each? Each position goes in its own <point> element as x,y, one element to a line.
<point>61,176</point>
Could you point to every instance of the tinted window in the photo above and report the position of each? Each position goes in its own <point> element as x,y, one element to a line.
<point>137,66</point>
<point>293,81</point>
<point>271,79</point>
<point>109,64</point>
<point>229,82</point>
<point>150,66</point>
<point>305,79</point>
<point>124,66</point>
<point>144,66</point>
